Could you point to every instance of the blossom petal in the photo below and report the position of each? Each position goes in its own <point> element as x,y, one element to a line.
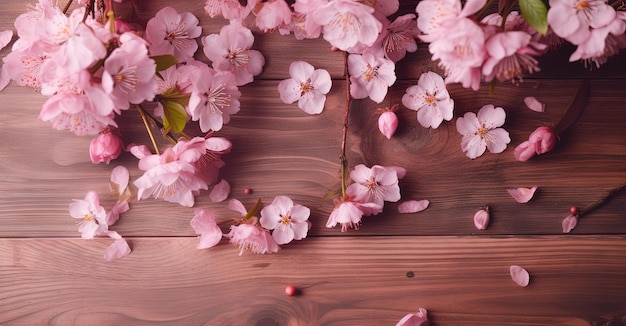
<point>481,219</point>
<point>522,195</point>
<point>220,191</point>
<point>519,275</point>
<point>534,104</point>
<point>119,179</point>
<point>118,249</point>
<point>114,214</point>
<point>491,116</point>
<point>5,78</point>
<point>413,206</point>
<point>569,223</point>
<point>5,38</point>
<point>237,206</point>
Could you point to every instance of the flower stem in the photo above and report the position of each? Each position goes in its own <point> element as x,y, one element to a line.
<point>67,6</point>
<point>574,110</point>
<point>602,200</point>
<point>148,129</point>
<point>253,211</point>
<point>344,134</point>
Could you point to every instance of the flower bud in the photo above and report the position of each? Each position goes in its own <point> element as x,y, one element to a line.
<point>481,219</point>
<point>105,147</point>
<point>388,123</point>
<point>542,140</point>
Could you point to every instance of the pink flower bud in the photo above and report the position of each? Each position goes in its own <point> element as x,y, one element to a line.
<point>542,140</point>
<point>481,219</point>
<point>105,147</point>
<point>388,123</point>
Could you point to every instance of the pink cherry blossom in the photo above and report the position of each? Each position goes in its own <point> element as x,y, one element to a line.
<point>603,42</point>
<point>105,147</point>
<point>430,99</point>
<point>400,37</point>
<point>170,32</point>
<point>307,85</point>
<point>370,76</point>
<point>374,185</point>
<point>574,20</point>
<point>540,141</point>
<point>481,219</point>
<point>215,97</point>
<point>569,223</point>
<point>413,206</point>
<point>431,14</point>
<point>229,9</point>
<point>288,221</point>
<point>129,73</point>
<point>419,318</point>
<point>252,238</point>
<point>346,23</point>
<point>302,23</point>
<point>91,216</point>
<point>522,195</point>
<point>481,132</point>
<point>211,149</point>
<point>270,14</point>
<point>171,176</point>
<point>348,213</point>
<point>388,123</point>
<point>203,223</point>
<point>519,275</point>
<point>231,51</point>
<point>511,54</point>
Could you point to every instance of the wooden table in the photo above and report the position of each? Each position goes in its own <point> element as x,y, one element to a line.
<point>394,264</point>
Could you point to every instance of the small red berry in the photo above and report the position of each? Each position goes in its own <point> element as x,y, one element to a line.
<point>573,210</point>
<point>291,290</point>
<point>247,191</point>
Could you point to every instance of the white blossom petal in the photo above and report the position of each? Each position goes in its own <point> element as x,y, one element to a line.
<point>413,206</point>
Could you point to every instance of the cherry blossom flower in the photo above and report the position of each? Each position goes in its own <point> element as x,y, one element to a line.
<point>574,20</point>
<point>511,54</point>
<point>307,85</point>
<point>229,9</point>
<point>91,216</point>
<point>105,147</point>
<point>349,212</point>
<point>419,318</point>
<point>374,185</point>
<point>129,73</point>
<point>481,132</point>
<point>346,23</point>
<point>540,141</point>
<point>569,223</point>
<point>603,42</point>
<point>288,221</point>
<point>211,149</point>
<point>270,14</point>
<point>519,275</point>
<point>370,76</point>
<point>252,238</point>
<point>481,218</point>
<point>230,51</point>
<point>302,23</point>
<point>170,176</point>
<point>215,97</point>
<point>431,14</point>
<point>522,195</point>
<point>170,32</point>
<point>413,206</point>
<point>203,223</point>
<point>430,99</point>
<point>400,37</point>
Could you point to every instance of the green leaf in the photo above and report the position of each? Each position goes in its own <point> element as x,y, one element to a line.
<point>173,94</point>
<point>164,61</point>
<point>536,14</point>
<point>175,117</point>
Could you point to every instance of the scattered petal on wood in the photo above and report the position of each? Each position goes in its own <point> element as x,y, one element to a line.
<point>117,250</point>
<point>519,275</point>
<point>5,79</point>
<point>481,219</point>
<point>220,191</point>
<point>569,223</point>
<point>5,38</point>
<point>534,104</point>
<point>522,195</point>
<point>413,206</point>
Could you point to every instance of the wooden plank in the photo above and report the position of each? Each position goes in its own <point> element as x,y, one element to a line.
<point>575,280</point>
<point>279,150</point>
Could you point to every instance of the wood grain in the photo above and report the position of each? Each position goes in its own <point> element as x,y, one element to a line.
<point>344,281</point>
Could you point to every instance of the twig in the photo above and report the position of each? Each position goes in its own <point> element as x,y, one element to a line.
<point>145,122</point>
<point>344,135</point>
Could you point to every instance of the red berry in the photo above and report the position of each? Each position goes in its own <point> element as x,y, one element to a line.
<point>291,290</point>
<point>247,191</point>
<point>573,210</point>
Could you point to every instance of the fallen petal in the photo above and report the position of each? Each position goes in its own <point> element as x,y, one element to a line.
<point>5,38</point>
<point>114,214</point>
<point>569,223</point>
<point>519,275</point>
<point>117,250</point>
<point>534,104</point>
<point>419,318</point>
<point>481,219</point>
<point>119,179</point>
<point>413,206</point>
<point>522,195</point>
<point>5,79</point>
<point>220,191</point>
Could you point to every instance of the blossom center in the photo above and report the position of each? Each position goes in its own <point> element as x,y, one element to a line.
<point>217,99</point>
<point>89,217</point>
<point>127,79</point>
<point>482,132</point>
<point>239,57</point>
<point>396,42</point>
<point>581,5</point>
<point>370,72</point>
<point>346,22</point>
<point>285,219</point>
<point>177,37</point>
<point>430,99</point>
<point>306,87</point>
